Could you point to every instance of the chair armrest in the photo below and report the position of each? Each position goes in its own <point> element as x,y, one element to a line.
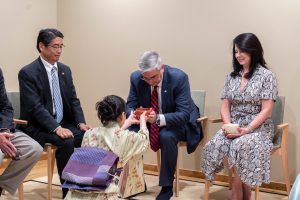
<point>202,119</point>
<point>283,125</point>
<point>285,130</point>
<point>20,122</point>
<point>216,120</point>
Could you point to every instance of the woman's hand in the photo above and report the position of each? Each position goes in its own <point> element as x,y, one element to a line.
<point>129,121</point>
<point>240,132</point>
<point>143,117</point>
<point>132,119</point>
<point>143,120</point>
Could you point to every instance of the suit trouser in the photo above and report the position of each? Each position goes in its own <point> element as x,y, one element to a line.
<point>168,140</point>
<point>28,153</point>
<point>65,147</point>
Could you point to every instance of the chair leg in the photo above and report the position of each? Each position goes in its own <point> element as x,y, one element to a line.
<point>177,175</point>
<point>21,192</point>
<point>53,162</point>
<point>230,178</point>
<point>257,193</point>
<point>50,171</point>
<point>286,171</point>
<point>206,190</point>
<point>158,161</point>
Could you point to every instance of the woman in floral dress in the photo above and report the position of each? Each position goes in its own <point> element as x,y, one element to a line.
<point>247,99</point>
<point>127,145</point>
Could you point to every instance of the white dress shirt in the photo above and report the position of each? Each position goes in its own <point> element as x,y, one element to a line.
<point>161,116</point>
<point>48,68</point>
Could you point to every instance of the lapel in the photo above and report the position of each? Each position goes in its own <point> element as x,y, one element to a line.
<point>146,94</point>
<point>43,79</point>
<point>62,83</point>
<point>164,89</point>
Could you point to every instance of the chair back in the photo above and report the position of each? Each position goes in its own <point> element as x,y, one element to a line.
<point>198,97</point>
<point>277,117</point>
<point>14,98</point>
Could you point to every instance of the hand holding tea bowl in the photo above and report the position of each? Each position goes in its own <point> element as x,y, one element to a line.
<point>140,111</point>
<point>231,130</point>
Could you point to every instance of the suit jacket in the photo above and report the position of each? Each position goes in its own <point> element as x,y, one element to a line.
<point>177,105</point>
<point>36,98</point>
<point>6,110</point>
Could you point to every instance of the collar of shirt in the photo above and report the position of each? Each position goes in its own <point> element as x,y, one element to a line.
<point>158,85</point>
<point>48,66</point>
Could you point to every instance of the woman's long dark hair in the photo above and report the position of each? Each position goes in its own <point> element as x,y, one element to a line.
<point>248,43</point>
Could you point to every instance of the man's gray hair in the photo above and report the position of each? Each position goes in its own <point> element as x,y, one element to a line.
<point>149,60</point>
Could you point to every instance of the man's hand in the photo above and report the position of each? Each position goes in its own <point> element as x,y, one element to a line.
<point>6,146</point>
<point>64,133</point>
<point>84,127</point>
<point>151,117</point>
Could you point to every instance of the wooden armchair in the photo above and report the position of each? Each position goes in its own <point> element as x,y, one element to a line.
<point>198,97</point>
<point>279,145</point>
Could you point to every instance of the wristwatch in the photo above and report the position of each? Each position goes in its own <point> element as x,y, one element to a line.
<point>157,120</point>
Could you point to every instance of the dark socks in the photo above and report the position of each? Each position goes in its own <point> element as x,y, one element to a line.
<point>166,193</point>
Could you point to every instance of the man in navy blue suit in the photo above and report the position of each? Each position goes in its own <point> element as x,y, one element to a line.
<point>49,101</point>
<point>175,117</point>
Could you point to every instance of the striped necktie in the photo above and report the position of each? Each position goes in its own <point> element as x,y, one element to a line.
<point>154,129</point>
<point>56,95</point>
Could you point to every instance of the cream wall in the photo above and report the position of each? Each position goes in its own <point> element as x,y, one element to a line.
<point>20,21</point>
<point>105,38</point>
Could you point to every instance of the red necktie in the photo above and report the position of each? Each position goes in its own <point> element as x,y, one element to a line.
<point>154,131</point>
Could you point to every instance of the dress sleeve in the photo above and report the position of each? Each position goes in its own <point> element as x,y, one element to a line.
<point>225,92</point>
<point>129,143</point>
<point>269,87</point>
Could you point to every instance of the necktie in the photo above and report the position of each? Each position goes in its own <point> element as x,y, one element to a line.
<point>56,96</point>
<point>154,129</point>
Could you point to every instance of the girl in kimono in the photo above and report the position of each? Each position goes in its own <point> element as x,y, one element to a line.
<point>129,146</point>
<point>247,99</point>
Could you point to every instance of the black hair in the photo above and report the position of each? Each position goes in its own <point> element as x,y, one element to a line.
<point>110,108</point>
<point>46,36</point>
<point>249,43</point>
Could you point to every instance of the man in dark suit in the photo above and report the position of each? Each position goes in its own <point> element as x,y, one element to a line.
<point>49,102</point>
<point>23,150</point>
<point>173,119</point>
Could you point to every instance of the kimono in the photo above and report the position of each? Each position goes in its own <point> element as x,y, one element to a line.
<point>129,147</point>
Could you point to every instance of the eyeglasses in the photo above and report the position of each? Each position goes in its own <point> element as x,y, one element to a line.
<point>56,46</point>
<point>155,77</point>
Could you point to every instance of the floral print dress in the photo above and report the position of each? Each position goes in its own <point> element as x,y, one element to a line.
<point>250,153</point>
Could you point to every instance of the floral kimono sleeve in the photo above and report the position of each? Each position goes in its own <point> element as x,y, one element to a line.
<point>127,143</point>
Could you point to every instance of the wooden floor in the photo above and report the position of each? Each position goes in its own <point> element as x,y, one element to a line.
<point>189,190</point>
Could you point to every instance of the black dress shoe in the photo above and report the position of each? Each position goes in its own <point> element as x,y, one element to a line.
<point>1,191</point>
<point>166,193</point>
